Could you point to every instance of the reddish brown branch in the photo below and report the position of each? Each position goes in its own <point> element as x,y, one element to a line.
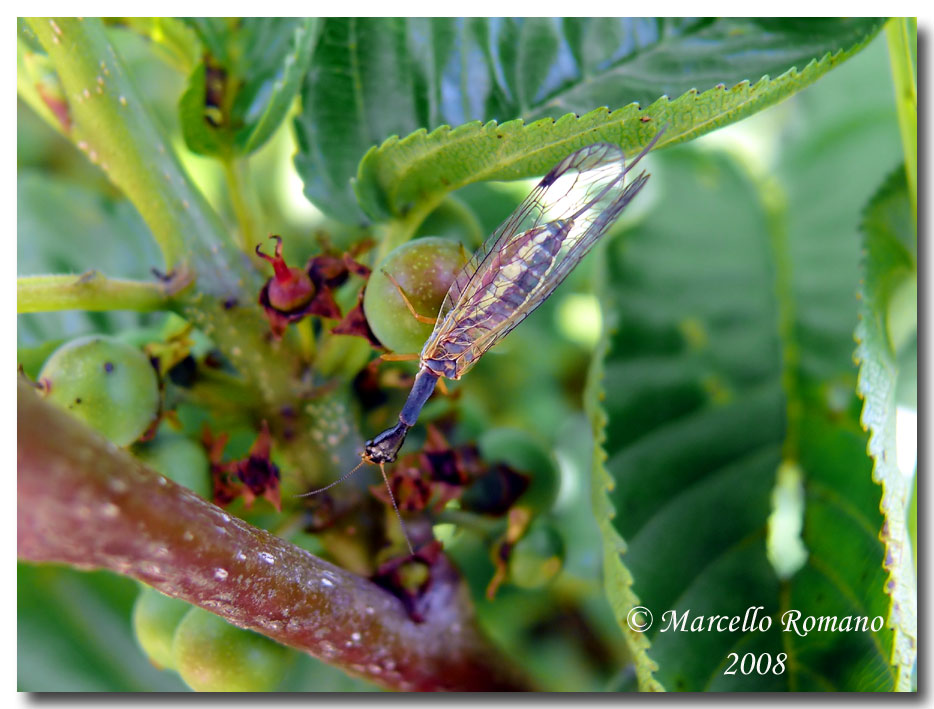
<point>84,502</point>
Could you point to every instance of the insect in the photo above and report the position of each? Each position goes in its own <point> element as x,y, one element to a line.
<point>513,272</point>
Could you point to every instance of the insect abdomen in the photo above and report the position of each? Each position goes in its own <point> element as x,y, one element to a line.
<point>523,265</point>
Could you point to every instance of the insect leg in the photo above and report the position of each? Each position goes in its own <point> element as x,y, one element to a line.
<point>408,304</point>
<point>394,357</point>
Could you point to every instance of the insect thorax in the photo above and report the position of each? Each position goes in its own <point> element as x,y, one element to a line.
<point>447,368</point>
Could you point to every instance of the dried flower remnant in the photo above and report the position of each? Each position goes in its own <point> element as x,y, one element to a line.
<point>415,579</point>
<point>329,272</point>
<point>223,479</point>
<point>258,473</point>
<point>355,323</point>
<point>287,296</point>
<point>251,477</point>
<point>433,476</point>
<point>411,490</point>
<point>294,293</point>
<point>518,522</point>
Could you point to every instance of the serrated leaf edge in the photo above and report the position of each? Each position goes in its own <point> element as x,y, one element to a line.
<point>900,584</point>
<point>616,575</point>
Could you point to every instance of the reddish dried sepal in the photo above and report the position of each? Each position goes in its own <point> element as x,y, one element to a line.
<point>516,527</point>
<point>294,293</point>
<point>249,478</point>
<point>258,473</point>
<point>226,488</point>
<point>432,477</point>
<point>329,272</point>
<point>411,578</point>
<point>412,492</point>
<point>355,323</point>
<point>288,295</point>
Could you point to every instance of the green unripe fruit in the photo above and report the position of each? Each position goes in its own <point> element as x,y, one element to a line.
<point>537,558</point>
<point>524,454</point>
<point>211,655</point>
<point>180,459</point>
<point>425,269</point>
<point>155,618</point>
<point>106,383</point>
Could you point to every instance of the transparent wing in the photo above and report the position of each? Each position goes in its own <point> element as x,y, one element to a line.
<point>579,179</point>
<point>533,251</point>
<point>501,313</point>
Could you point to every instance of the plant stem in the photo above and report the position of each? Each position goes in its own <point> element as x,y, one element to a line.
<point>906,101</point>
<point>774,202</point>
<point>466,215</point>
<point>105,116</point>
<point>306,337</point>
<point>235,172</point>
<point>111,124</point>
<point>82,501</point>
<point>399,230</point>
<point>90,291</point>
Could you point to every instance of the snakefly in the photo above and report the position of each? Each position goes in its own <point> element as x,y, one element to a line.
<point>514,271</point>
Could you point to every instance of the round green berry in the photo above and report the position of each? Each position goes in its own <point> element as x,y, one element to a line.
<point>211,655</point>
<point>424,270</point>
<point>108,384</point>
<point>155,618</point>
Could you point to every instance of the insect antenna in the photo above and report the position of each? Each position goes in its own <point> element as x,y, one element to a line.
<point>341,479</point>
<point>392,498</point>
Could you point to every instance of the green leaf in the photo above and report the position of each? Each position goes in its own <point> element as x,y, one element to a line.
<point>242,91</point>
<point>729,359</point>
<point>283,90</point>
<point>372,79</point>
<point>888,323</point>
<point>360,88</point>
<point>424,166</point>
